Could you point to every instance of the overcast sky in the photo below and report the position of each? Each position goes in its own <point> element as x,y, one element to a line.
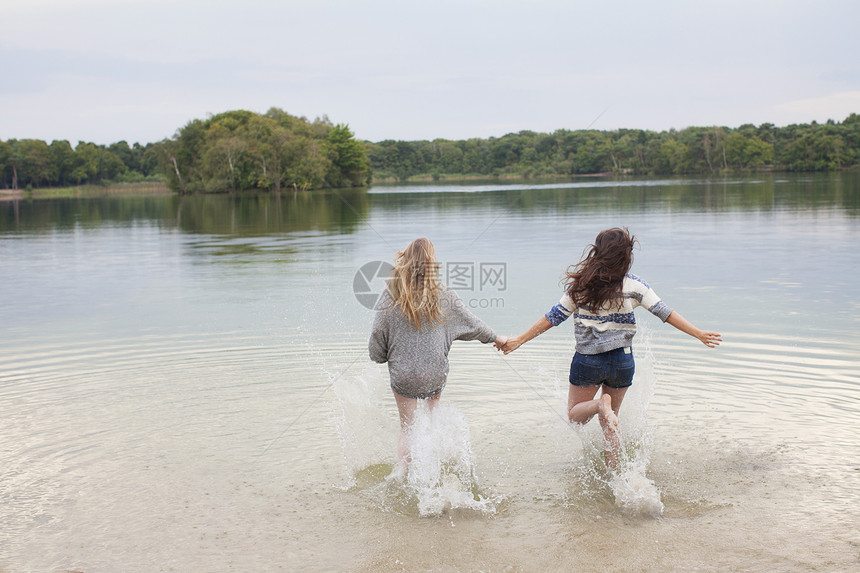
<point>108,70</point>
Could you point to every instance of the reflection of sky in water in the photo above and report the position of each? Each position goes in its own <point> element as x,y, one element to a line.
<point>158,351</point>
<point>592,183</point>
<point>478,188</point>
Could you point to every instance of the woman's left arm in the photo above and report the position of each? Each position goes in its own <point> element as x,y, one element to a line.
<point>708,338</point>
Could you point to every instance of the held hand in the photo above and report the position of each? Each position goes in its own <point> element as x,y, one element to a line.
<point>500,342</point>
<point>512,344</point>
<point>710,339</point>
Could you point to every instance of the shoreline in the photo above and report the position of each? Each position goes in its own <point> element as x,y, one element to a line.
<point>624,173</point>
<point>85,191</point>
<point>157,188</point>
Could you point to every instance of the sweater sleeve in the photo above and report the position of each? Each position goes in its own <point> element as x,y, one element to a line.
<point>562,311</point>
<point>653,303</point>
<point>378,345</point>
<point>467,325</point>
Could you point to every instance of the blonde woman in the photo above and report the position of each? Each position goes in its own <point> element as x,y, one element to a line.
<point>417,319</point>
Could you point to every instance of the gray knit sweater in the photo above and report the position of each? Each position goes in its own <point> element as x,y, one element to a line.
<point>418,359</point>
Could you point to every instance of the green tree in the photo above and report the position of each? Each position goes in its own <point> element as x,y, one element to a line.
<point>307,163</point>
<point>350,167</point>
<point>747,150</point>
<point>672,157</point>
<point>111,167</point>
<point>241,150</point>
<point>63,157</point>
<point>86,163</point>
<point>33,162</point>
<point>450,157</point>
<point>815,151</point>
<point>5,166</point>
<point>149,158</point>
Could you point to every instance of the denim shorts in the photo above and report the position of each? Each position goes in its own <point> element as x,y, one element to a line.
<point>613,368</point>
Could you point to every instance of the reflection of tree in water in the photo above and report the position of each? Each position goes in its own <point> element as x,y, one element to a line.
<point>261,214</point>
<point>239,214</point>
<point>343,211</point>
<point>766,193</point>
<point>42,215</point>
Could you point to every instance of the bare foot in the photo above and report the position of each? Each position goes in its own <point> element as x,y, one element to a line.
<point>398,472</point>
<point>608,419</point>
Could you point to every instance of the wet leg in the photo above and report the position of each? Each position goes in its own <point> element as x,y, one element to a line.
<point>433,402</point>
<point>406,408</point>
<point>608,407</point>
<point>581,405</point>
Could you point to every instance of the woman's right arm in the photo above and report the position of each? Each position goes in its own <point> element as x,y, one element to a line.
<point>514,342</point>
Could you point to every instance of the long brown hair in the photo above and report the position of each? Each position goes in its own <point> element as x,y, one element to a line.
<point>595,282</point>
<point>414,285</point>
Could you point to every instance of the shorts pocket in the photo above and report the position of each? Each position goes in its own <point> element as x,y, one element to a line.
<point>624,376</point>
<point>585,371</point>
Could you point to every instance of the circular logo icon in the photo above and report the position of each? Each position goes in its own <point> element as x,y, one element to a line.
<point>370,281</point>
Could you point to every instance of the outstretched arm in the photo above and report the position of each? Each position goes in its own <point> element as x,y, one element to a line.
<point>708,338</point>
<point>514,342</point>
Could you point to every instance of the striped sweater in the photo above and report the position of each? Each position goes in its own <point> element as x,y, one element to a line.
<point>604,330</point>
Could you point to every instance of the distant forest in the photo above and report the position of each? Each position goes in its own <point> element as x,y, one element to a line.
<point>694,150</point>
<point>231,151</point>
<point>243,150</point>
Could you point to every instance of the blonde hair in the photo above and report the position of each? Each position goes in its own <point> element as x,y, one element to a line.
<point>414,285</point>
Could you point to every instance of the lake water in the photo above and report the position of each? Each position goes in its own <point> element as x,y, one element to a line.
<point>184,383</point>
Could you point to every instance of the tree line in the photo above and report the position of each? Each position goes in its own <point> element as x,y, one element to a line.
<point>30,163</point>
<point>231,151</point>
<point>694,150</point>
<point>243,150</point>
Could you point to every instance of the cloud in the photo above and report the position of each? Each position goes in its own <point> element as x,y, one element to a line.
<point>835,106</point>
<point>138,69</point>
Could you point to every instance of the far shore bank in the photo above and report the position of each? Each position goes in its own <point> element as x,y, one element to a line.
<point>456,177</point>
<point>83,191</point>
<point>159,188</point>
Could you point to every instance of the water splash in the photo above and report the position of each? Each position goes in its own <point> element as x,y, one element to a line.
<point>634,492</point>
<point>441,474</point>
<point>628,485</point>
<point>363,420</point>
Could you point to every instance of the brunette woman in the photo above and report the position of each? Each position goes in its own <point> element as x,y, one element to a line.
<point>601,295</point>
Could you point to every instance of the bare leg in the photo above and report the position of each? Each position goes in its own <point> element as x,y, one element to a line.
<point>434,401</point>
<point>610,403</point>
<point>609,423</point>
<point>582,406</point>
<point>406,408</point>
